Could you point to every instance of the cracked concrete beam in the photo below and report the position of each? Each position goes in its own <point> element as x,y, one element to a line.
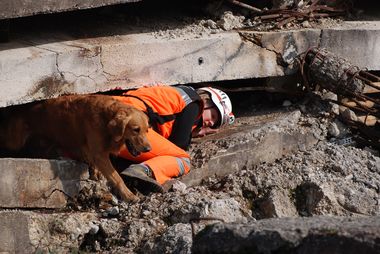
<point>92,65</point>
<point>38,183</point>
<point>49,69</point>
<point>29,73</point>
<point>288,45</point>
<point>357,41</point>
<point>21,8</point>
<point>146,59</point>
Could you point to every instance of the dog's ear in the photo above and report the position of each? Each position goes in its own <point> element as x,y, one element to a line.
<point>117,126</point>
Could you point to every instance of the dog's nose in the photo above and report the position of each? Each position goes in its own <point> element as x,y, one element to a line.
<point>147,149</point>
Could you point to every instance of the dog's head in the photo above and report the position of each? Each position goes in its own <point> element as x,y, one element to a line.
<point>130,126</point>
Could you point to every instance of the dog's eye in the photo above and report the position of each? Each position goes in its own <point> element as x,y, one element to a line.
<point>136,129</point>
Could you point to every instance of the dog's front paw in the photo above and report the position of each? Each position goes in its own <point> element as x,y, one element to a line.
<point>95,174</point>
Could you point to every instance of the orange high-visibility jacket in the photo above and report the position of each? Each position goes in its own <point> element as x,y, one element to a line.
<point>162,105</point>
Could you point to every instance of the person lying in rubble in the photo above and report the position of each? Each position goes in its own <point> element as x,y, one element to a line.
<point>176,114</point>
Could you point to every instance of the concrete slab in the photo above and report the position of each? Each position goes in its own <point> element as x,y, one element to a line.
<point>34,69</point>
<point>359,41</point>
<point>21,8</point>
<point>317,234</point>
<point>31,232</point>
<point>38,183</point>
<point>250,146</point>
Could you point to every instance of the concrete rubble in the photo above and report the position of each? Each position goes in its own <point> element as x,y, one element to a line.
<point>319,179</point>
<point>287,177</point>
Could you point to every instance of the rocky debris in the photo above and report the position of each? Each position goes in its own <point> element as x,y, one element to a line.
<point>329,179</point>
<point>228,20</point>
<point>318,234</point>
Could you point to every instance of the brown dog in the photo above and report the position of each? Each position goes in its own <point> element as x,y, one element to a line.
<point>90,126</point>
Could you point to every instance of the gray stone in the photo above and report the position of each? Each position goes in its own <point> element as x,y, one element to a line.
<point>113,211</point>
<point>179,186</point>
<point>349,115</point>
<point>333,130</point>
<point>176,239</point>
<point>94,230</point>
<point>292,235</point>
<point>228,210</point>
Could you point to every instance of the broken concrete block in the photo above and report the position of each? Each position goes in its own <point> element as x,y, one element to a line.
<point>39,183</point>
<point>247,147</point>
<point>277,203</point>
<point>317,234</point>
<point>30,232</point>
<point>227,209</point>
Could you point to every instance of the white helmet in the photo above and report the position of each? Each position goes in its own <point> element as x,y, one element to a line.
<point>223,103</point>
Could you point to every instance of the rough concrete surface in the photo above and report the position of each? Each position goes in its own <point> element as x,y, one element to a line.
<point>34,183</point>
<point>318,234</point>
<point>20,8</point>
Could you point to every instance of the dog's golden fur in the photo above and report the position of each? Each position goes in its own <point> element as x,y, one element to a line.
<point>90,126</point>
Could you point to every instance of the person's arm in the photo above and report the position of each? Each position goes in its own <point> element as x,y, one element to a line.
<point>182,127</point>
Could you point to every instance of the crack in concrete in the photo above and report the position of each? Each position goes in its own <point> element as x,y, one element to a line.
<point>57,66</point>
<point>256,39</point>
<point>97,53</point>
<point>80,76</point>
<point>320,38</point>
<point>50,50</point>
<point>102,65</point>
<point>55,190</point>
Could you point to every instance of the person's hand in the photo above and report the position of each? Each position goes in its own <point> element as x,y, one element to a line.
<point>206,131</point>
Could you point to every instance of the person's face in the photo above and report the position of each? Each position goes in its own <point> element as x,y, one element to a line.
<point>210,119</point>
